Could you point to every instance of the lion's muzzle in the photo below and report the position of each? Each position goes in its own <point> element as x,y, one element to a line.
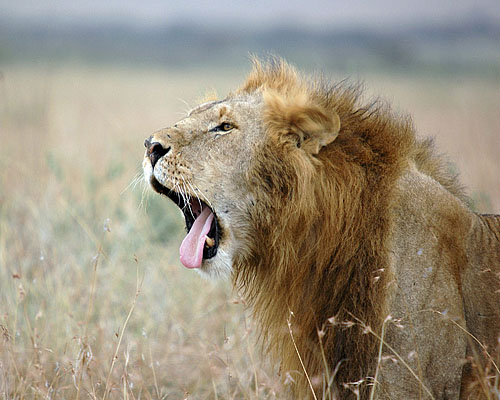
<point>155,150</point>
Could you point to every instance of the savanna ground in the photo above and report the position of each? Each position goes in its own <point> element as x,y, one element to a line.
<point>93,300</point>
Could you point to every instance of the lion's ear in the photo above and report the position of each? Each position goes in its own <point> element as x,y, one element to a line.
<point>300,120</point>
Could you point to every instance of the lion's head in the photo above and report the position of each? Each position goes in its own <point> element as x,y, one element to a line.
<point>229,159</point>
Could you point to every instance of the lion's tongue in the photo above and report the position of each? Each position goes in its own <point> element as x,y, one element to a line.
<point>191,250</point>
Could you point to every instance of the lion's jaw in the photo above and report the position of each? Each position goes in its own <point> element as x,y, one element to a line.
<point>201,167</point>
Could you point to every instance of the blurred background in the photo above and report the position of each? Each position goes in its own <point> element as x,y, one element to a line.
<point>93,300</point>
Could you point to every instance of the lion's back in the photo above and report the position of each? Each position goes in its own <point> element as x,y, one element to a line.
<point>446,268</point>
<point>481,280</point>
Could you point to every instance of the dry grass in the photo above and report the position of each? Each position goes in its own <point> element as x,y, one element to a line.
<point>93,302</point>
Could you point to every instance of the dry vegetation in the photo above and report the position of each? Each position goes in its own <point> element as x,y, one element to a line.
<point>93,302</point>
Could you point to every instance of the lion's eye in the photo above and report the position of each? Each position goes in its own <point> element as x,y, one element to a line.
<point>224,127</point>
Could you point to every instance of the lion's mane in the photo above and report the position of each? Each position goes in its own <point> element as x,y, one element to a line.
<point>316,254</point>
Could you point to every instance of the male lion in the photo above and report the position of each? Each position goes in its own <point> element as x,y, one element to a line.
<point>364,265</point>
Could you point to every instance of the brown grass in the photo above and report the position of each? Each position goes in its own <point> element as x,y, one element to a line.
<point>87,273</point>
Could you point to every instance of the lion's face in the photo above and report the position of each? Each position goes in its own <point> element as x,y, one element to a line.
<point>233,167</point>
<point>200,163</point>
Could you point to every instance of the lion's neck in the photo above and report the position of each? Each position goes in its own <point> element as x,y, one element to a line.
<point>321,293</point>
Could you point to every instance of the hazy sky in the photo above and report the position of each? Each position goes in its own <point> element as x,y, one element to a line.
<point>311,13</point>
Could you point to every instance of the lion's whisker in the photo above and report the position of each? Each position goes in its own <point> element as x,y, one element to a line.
<point>133,183</point>
<point>187,202</point>
<point>186,198</point>
<point>190,184</point>
<point>198,191</point>
<point>144,197</point>
<point>189,107</point>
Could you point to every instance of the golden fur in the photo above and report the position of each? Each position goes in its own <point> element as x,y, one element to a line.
<point>325,244</point>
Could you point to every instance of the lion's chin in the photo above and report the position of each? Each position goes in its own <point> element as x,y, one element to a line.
<point>219,267</point>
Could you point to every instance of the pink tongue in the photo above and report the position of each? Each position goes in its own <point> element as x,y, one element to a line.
<point>191,250</point>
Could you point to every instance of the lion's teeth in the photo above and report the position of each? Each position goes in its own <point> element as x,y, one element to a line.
<point>210,242</point>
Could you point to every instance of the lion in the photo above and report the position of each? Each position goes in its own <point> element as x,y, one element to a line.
<point>365,267</point>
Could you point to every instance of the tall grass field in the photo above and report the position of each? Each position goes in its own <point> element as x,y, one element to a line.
<point>94,303</point>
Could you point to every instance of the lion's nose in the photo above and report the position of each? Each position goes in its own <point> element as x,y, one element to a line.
<point>155,151</point>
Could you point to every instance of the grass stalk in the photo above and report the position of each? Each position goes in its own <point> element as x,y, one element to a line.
<point>398,356</point>
<point>379,360</point>
<point>122,331</point>
<point>289,322</point>
<point>90,307</point>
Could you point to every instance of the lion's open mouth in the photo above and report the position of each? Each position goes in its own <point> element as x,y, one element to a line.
<point>203,230</point>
